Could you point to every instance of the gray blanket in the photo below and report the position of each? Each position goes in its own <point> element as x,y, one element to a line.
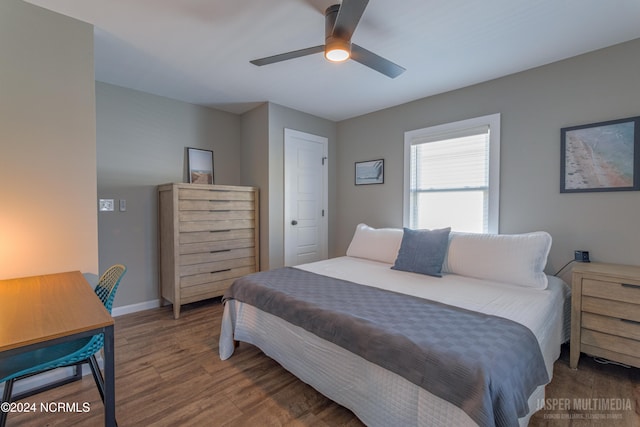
<point>486,365</point>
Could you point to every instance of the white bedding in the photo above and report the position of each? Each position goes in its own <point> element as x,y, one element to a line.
<point>375,395</point>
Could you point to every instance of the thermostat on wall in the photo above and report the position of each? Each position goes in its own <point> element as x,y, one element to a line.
<point>106,205</point>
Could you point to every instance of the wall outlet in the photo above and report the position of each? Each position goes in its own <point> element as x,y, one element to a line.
<point>123,205</point>
<point>581,256</point>
<point>106,205</point>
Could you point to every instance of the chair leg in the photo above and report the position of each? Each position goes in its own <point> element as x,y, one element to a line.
<point>31,392</point>
<point>6,397</point>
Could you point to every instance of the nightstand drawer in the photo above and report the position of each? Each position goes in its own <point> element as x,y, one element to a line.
<point>611,325</point>
<point>606,307</point>
<point>627,292</point>
<point>611,342</point>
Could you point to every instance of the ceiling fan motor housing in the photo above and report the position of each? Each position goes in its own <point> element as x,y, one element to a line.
<point>334,40</point>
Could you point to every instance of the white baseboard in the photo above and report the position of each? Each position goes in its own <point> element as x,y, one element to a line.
<point>132,308</point>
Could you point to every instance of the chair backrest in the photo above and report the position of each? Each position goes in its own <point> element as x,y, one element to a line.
<point>108,284</point>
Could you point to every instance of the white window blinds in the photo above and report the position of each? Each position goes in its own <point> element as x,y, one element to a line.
<point>449,178</point>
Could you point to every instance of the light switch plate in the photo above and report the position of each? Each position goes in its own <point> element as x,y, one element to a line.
<point>106,205</point>
<point>123,205</point>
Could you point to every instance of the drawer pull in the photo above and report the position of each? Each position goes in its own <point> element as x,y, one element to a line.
<point>629,285</point>
<point>221,210</point>
<point>633,322</point>
<point>221,250</point>
<point>219,231</point>
<point>220,271</point>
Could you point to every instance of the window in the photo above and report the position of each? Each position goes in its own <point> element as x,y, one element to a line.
<point>452,176</point>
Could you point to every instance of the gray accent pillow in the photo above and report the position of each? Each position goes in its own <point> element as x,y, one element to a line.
<point>423,251</point>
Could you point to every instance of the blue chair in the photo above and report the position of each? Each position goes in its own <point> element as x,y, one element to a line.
<point>71,353</point>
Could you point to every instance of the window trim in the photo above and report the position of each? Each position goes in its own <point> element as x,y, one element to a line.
<point>493,121</point>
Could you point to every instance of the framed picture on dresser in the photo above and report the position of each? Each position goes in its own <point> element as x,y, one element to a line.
<point>200,165</point>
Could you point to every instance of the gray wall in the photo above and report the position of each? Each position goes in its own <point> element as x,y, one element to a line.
<point>535,105</point>
<point>263,166</point>
<point>141,140</point>
<point>48,218</point>
<point>255,168</point>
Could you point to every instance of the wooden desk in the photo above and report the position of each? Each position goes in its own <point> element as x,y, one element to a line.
<point>40,311</point>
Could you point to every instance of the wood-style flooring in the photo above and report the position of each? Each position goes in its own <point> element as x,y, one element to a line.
<point>168,373</point>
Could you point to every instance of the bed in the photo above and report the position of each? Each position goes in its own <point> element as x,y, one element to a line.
<point>499,277</point>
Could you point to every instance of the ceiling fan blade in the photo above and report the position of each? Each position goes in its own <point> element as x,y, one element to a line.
<point>288,55</point>
<point>375,62</point>
<point>348,17</point>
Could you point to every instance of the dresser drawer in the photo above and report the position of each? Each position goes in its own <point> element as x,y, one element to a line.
<point>229,273</point>
<point>216,266</point>
<point>607,307</point>
<point>232,224</point>
<point>212,256</point>
<point>216,236</point>
<point>618,291</point>
<point>200,286</point>
<point>611,325</point>
<point>213,194</point>
<point>204,291</point>
<point>216,246</point>
<point>214,205</point>
<point>215,215</point>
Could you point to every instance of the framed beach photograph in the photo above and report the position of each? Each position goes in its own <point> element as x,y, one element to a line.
<point>601,156</point>
<point>200,164</point>
<point>370,172</point>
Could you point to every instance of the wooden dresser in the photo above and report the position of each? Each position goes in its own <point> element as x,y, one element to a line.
<point>208,237</point>
<point>605,312</point>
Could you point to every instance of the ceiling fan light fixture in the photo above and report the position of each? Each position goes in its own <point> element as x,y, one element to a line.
<point>337,50</point>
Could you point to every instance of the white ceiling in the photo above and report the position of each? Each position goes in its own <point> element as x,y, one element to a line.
<point>198,51</point>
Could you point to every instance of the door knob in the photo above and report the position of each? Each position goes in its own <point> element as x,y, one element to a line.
<point>294,222</point>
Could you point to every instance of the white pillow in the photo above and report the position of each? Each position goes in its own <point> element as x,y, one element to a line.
<point>380,244</point>
<point>519,259</point>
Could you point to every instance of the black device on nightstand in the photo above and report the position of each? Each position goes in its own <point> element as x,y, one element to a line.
<point>581,256</point>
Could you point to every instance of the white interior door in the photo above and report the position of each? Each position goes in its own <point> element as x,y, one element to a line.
<point>305,197</point>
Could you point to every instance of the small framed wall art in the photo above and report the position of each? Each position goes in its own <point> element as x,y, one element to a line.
<point>370,172</point>
<point>601,156</point>
<point>200,164</point>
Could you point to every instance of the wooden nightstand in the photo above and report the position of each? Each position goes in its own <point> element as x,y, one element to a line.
<point>605,312</point>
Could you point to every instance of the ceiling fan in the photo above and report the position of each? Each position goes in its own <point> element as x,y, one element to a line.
<point>340,23</point>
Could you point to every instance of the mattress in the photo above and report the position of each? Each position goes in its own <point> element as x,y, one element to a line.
<point>375,395</point>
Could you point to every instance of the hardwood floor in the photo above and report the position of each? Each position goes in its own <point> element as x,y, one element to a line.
<point>168,373</point>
